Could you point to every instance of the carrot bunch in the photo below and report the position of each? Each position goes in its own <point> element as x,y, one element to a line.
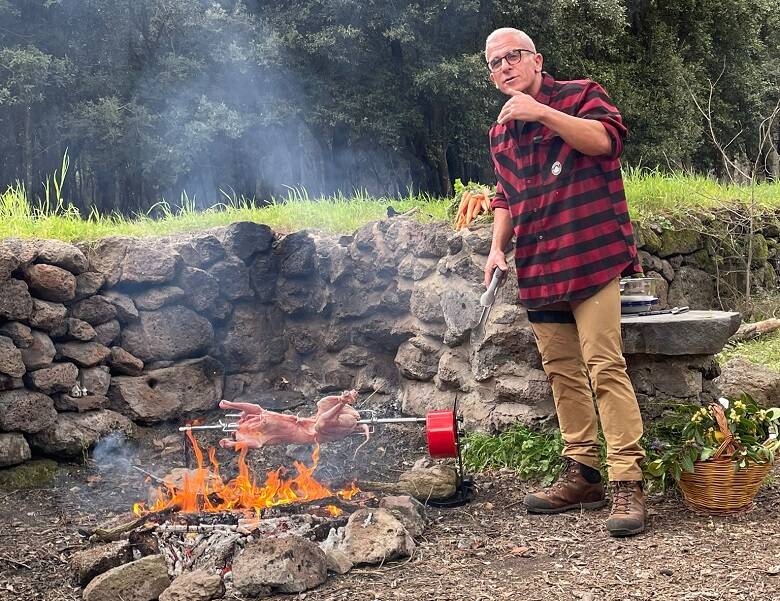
<point>472,203</point>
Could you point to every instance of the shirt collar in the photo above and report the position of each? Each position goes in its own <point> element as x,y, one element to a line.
<point>545,92</point>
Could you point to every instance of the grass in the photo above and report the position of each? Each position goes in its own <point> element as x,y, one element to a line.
<point>763,351</point>
<point>649,193</point>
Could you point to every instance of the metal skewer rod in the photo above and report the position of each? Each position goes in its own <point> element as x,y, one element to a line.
<point>393,420</point>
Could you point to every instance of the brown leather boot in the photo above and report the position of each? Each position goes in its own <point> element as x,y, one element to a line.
<point>628,509</point>
<point>571,491</point>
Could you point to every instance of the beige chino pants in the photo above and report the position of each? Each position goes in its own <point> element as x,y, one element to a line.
<point>584,359</point>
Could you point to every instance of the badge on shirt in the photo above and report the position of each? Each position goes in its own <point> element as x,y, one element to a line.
<point>556,168</point>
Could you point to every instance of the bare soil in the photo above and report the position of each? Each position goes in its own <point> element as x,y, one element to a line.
<point>488,549</point>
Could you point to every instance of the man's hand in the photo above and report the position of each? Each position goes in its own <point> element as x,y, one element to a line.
<point>495,259</point>
<point>522,107</point>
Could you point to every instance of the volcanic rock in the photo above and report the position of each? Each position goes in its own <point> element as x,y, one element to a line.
<point>171,333</point>
<point>201,288</point>
<point>146,263</point>
<point>418,358</point>
<point>253,339</point>
<point>80,330</point>
<point>375,536</point>
<point>47,316</point>
<point>88,283</point>
<point>18,332</point>
<point>246,238</point>
<point>62,254</point>
<point>15,300</point>
<point>40,353</point>
<point>59,377</point>
<point>11,362</point>
<point>123,362</point>
<point>73,433</point>
<point>154,298</point>
<point>13,449</point>
<point>124,305</point>
<point>409,511</point>
<point>50,283</point>
<point>25,411</point>
<point>94,561</point>
<point>95,310</point>
<point>263,273</point>
<point>233,278</point>
<point>8,263</point>
<point>198,585</point>
<point>739,376</point>
<point>141,580</point>
<point>285,565</point>
<point>80,404</point>
<point>107,333</point>
<point>85,354</point>
<point>200,251</point>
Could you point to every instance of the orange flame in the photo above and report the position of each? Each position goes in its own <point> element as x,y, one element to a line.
<point>204,490</point>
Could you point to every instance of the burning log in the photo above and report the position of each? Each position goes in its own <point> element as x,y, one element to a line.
<point>114,533</point>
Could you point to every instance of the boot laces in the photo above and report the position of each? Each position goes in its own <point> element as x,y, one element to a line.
<point>568,476</point>
<point>622,493</point>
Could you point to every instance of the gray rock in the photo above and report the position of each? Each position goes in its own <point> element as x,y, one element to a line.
<point>661,289</point>
<point>25,251</point>
<point>198,585</point>
<point>415,268</point>
<point>354,356</point>
<point>409,511</point>
<point>531,389</point>
<point>40,353</point>
<point>692,333</point>
<point>13,449</point>
<point>245,238</point>
<point>462,311</point>
<point>95,310</point>
<point>25,411</point>
<point>84,354</point>
<point>200,287</point>
<point>73,433</point>
<point>463,265</point>
<point>59,377</point>
<point>375,536</point>
<point>141,580</point>
<point>146,263</point>
<point>201,251</point>
<point>692,287</point>
<point>18,332</point>
<point>88,283</point>
<point>422,240</point>
<point>50,282</point>
<point>426,302</point>
<point>124,363</point>
<point>9,382</point>
<point>154,298</point>
<point>337,561</point>
<point>160,394</point>
<point>95,379</point>
<point>479,240</point>
<point>298,257</point>
<point>80,404</point>
<point>96,560</point>
<point>253,339</point>
<point>418,358</point>
<point>80,330</point>
<point>679,242</point>
<point>8,263</point>
<point>124,305</point>
<point>298,297</point>
<point>286,565</point>
<point>171,333</point>
<point>11,363</point>
<point>46,316</point>
<point>105,257</point>
<point>740,376</point>
<point>263,273</point>
<point>62,254</point>
<point>232,276</point>
<point>15,300</point>
<point>454,371</point>
<point>107,333</point>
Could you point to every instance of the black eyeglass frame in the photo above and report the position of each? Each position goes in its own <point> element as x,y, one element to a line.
<point>499,61</point>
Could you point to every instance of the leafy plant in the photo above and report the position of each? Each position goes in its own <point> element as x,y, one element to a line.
<point>691,433</point>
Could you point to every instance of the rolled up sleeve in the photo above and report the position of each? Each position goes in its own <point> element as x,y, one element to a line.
<point>596,104</point>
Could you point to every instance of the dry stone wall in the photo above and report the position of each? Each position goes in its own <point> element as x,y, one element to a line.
<point>99,336</point>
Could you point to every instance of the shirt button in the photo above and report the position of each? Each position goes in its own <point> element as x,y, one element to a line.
<point>528,181</point>
<point>541,237</point>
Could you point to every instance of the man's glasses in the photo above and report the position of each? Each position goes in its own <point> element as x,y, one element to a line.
<point>512,57</point>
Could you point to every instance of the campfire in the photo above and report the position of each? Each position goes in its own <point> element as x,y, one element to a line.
<point>204,490</point>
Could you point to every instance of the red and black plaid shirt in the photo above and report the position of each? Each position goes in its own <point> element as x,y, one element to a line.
<point>572,230</point>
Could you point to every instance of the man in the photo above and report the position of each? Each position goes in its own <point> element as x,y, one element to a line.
<point>555,149</point>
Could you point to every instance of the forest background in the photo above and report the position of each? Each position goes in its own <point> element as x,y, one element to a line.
<point>152,98</point>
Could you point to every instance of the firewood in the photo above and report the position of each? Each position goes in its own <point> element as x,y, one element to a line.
<point>749,331</point>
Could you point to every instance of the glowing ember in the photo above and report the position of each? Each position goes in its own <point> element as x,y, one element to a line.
<point>334,511</point>
<point>204,489</point>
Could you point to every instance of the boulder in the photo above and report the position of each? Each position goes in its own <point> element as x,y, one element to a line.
<point>298,256</point>
<point>415,268</point>
<point>95,310</point>
<point>425,302</point>
<point>84,354</point>
<point>107,333</point>
<point>15,300</point>
<point>8,263</point>
<point>154,298</point>
<point>40,353</point>
<point>693,288</point>
<point>161,394</point>
<point>18,332</point>
<point>375,536</point>
<point>462,311</point>
<point>80,330</point>
<point>59,377</point>
<point>88,283</point>
<point>418,358</point>
<point>96,560</point>
<point>198,585</point>
<point>95,379</point>
<point>200,287</point>
<point>49,317</point>
<point>11,362</point>
<point>263,273</point>
<point>424,240</point>
<point>13,449</point>
<point>142,580</point>
<point>124,363</point>
<point>173,332</point>
<point>124,305</point>
<point>50,282</point>
<point>279,565</point>
<point>245,238</point>
<point>72,434</point>
<point>232,277</point>
<point>679,242</point>
<point>25,411</point>
<point>105,257</point>
<point>739,376</point>
<point>80,404</point>
<point>253,338</point>
<point>148,263</point>
<point>409,511</point>
<point>201,250</point>
<point>62,254</point>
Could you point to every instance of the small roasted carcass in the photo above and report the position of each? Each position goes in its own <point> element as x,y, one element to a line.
<point>258,427</point>
<point>336,418</point>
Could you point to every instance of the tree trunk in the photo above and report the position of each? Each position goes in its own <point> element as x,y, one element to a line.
<point>444,171</point>
<point>27,152</point>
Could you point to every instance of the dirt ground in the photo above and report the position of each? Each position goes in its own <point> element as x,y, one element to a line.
<point>489,549</point>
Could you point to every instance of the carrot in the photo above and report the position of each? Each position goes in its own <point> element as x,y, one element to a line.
<point>463,200</point>
<point>485,203</point>
<point>471,213</point>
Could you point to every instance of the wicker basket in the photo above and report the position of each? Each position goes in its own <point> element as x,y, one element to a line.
<point>716,486</point>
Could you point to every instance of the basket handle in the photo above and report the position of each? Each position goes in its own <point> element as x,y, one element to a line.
<point>727,447</point>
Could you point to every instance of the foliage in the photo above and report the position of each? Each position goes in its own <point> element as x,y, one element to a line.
<point>763,351</point>
<point>531,454</point>
<point>691,434</point>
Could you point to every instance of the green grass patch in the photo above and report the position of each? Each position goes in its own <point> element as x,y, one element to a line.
<point>649,193</point>
<point>763,351</point>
